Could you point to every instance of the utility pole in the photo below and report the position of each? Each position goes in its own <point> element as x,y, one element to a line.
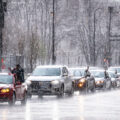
<point>53,35</point>
<point>109,30</point>
<point>3,9</point>
<point>94,34</point>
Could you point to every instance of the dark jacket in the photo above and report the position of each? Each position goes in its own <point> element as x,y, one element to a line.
<point>19,74</point>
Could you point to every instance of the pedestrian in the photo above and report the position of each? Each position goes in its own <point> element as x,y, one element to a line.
<point>106,74</point>
<point>18,72</point>
<point>87,72</point>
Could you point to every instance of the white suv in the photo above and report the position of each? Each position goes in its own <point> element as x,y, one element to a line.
<point>50,80</point>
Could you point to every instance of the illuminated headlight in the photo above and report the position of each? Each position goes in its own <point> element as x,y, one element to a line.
<point>82,80</point>
<point>5,90</point>
<point>80,85</point>
<point>99,82</point>
<point>55,82</point>
<point>28,82</point>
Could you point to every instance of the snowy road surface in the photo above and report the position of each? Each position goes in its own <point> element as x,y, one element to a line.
<point>98,106</point>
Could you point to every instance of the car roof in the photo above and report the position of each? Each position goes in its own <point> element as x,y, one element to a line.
<point>97,70</point>
<point>114,67</point>
<point>50,66</point>
<point>111,71</point>
<point>76,68</point>
<point>95,67</point>
<point>4,74</point>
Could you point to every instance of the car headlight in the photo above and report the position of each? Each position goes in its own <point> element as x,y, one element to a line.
<point>98,82</point>
<point>6,90</point>
<point>28,82</point>
<point>55,82</point>
<point>82,80</point>
<point>80,85</point>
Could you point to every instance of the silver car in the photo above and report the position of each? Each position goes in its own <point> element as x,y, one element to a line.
<point>115,79</point>
<point>82,83</point>
<point>115,69</point>
<point>50,80</point>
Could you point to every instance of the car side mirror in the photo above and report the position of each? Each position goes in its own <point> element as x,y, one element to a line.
<point>18,83</point>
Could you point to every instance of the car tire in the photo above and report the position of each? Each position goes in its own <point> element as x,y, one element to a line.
<point>71,91</point>
<point>29,96</point>
<point>12,102</point>
<point>23,102</point>
<point>86,88</point>
<point>93,89</point>
<point>61,94</point>
<point>110,86</point>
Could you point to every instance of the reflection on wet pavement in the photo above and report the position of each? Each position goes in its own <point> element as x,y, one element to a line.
<point>98,106</point>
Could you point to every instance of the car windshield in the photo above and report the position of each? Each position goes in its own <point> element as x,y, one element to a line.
<point>47,72</point>
<point>98,74</point>
<point>5,79</point>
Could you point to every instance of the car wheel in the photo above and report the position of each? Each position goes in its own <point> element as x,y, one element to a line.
<point>86,88</point>
<point>23,102</point>
<point>71,91</point>
<point>61,94</point>
<point>110,86</point>
<point>12,102</point>
<point>29,96</point>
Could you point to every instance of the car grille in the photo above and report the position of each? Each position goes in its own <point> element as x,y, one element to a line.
<point>40,85</point>
<point>35,85</point>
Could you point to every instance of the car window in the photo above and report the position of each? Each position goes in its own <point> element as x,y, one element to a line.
<point>6,79</point>
<point>47,72</point>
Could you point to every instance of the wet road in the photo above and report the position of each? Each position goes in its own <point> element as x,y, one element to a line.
<point>98,106</point>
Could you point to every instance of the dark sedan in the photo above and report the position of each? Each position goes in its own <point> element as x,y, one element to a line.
<point>102,80</point>
<point>81,83</point>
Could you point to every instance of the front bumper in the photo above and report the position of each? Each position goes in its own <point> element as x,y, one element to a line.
<point>43,89</point>
<point>5,97</point>
<point>99,86</point>
<point>80,86</point>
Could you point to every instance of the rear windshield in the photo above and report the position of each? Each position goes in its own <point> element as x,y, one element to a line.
<point>98,74</point>
<point>114,69</point>
<point>76,73</point>
<point>112,75</point>
<point>47,72</point>
<point>6,79</point>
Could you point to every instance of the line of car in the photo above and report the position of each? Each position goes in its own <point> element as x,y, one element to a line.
<point>99,79</point>
<point>57,80</point>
